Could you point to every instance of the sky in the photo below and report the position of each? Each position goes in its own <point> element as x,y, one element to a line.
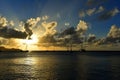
<point>97,15</point>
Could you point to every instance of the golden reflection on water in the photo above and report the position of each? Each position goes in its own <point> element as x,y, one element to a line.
<point>59,67</point>
<point>30,61</point>
<point>26,61</point>
<point>35,67</point>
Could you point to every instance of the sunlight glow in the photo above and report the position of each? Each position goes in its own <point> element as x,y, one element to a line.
<point>29,44</point>
<point>33,40</point>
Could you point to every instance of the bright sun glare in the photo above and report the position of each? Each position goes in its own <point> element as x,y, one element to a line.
<point>33,40</point>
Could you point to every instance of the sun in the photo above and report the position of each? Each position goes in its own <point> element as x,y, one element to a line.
<point>33,40</point>
<point>30,44</point>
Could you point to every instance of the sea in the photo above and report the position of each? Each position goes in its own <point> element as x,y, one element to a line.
<point>60,65</point>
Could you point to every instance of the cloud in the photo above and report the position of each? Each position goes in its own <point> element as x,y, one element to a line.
<point>114,32</point>
<point>68,31</point>
<point>11,23</point>
<point>95,2</point>
<point>109,14</point>
<point>29,24</point>
<point>112,37</point>
<point>3,21</point>
<point>50,32</point>
<point>47,39</point>
<point>100,9</point>
<point>70,34</point>
<point>91,2</point>
<point>82,14</point>
<point>74,35</point>
<point>67,24</point>
<point>8,32</point>
<point>9,43</point>
<point>90,11</point>
<point>49,27</point>
<point>12,33</point>
<point>82,27</point>
<point>45,17</point>
<point>91,38</point>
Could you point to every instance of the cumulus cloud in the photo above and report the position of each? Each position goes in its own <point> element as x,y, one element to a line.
<point>90,11</point>
<point>70,34</point>
<point>7,32</point>
<point>49,27</point>
<point>109,14</point>
<point>82,27</point>
<point>29,24</point>
<point>11,23</point>
<point>114,32</point>
<point>50,31</point>
<point>3,21</point>
<point>113,36</point>
<point>74,35</point>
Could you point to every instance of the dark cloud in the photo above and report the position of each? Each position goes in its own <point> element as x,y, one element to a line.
<point>74,35</point>
<point>29,24</point>
<point>12,33</point>
<point>69,35</point>
<point>28,30</point>
<point>108,15</point>
<point>7,32</point>
<point>68,31</point>
<point>95,2</point>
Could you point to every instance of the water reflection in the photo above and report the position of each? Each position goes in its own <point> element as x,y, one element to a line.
<point>98,68</point>
<point>41,67</point>
<point>60,67</point>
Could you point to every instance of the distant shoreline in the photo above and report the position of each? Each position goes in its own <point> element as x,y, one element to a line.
<point>56,51</point>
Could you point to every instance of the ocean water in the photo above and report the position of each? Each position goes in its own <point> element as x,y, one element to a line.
<point>61,66</point>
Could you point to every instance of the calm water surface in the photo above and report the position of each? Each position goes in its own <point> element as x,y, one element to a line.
<point>36,66</point>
